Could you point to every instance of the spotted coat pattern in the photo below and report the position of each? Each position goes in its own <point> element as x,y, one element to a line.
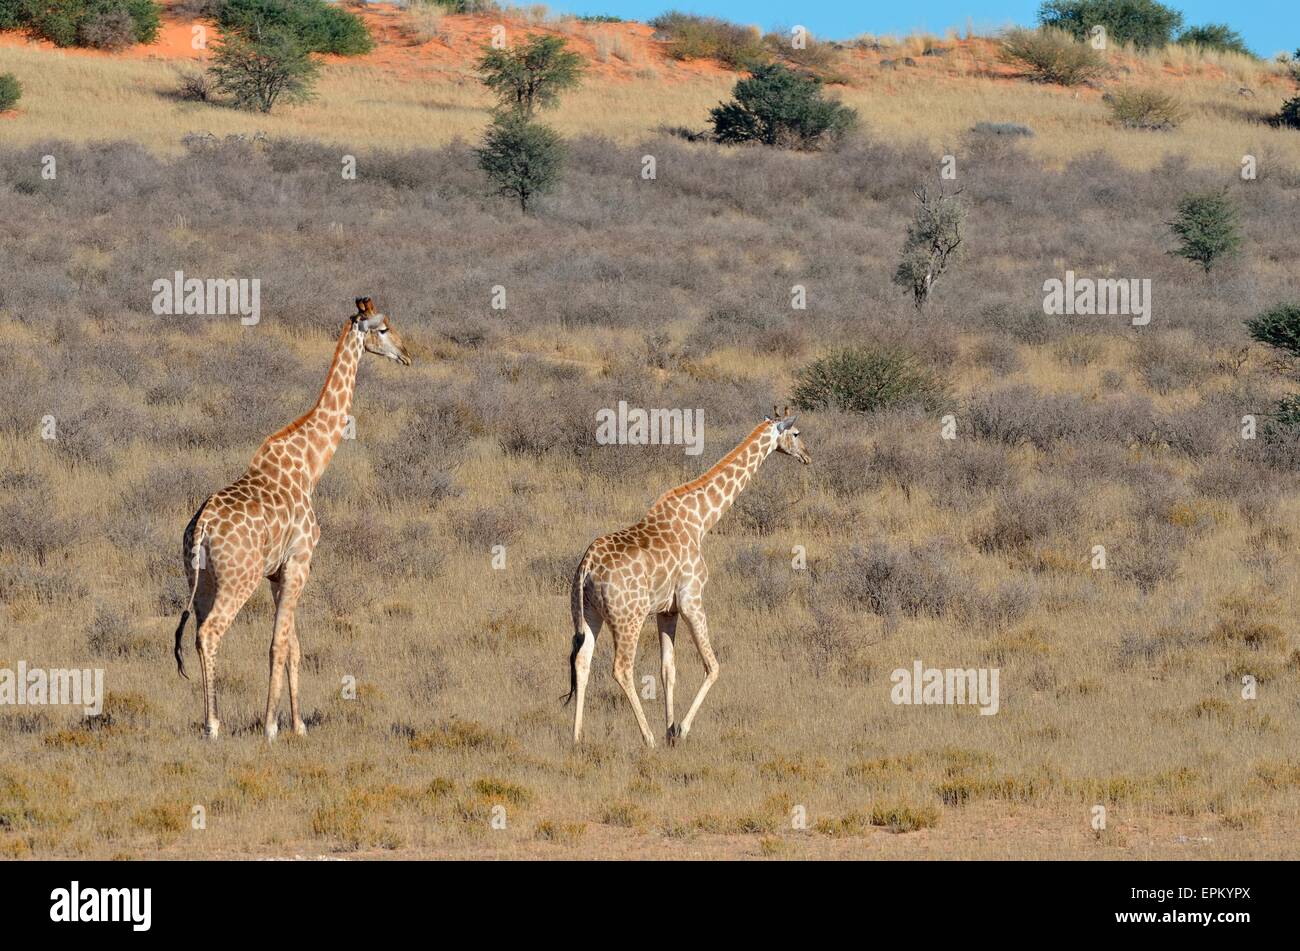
<point>263,525</point>
<point>656,567</point>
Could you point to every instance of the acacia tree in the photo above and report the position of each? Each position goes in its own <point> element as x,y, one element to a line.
<point>777,106</point>
<point>521,158</point>
<point>934,240</point>
<point>531,76</point>
<point>1206,227</point>
<point>1144,23</point>
<point>257,72</point>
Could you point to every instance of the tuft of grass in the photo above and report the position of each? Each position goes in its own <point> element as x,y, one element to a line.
<point>1146,108</point>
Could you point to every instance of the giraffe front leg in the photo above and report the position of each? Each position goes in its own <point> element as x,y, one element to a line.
<point>667,637</point>
<point>699,624</point>
<point>295,657</point>
<point>292,578</point>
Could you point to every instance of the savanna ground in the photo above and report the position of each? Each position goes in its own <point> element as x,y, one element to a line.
<point>1119,687</point>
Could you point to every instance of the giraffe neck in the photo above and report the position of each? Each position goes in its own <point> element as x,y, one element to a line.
<point>716,490</point>
<point>322,427</point>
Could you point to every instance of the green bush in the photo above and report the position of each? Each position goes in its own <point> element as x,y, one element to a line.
<point>1281,430</point>
<point>1289,116</point>
<point>12,14</point>
<point>1278,328</point>
<point>697,37</point>
<point>777,106</point>
<point>1206,228</point>
<point>531,75</point>
<point>317,27</point>
<point>863,380</point>
<point>1051,56</point>
<point>11,90</point>
<point>107,24</point>
<point>1215,36</point>
<point>520,157</point>
<point>1144,23</point>
<point>1146,109</point>
<point>258,73</point>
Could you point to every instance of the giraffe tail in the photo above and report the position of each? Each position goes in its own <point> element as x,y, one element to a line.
<point>580,628</point>
<point>199,535</point>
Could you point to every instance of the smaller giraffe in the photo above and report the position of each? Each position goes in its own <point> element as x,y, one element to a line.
<point>656,567</point>
<point>263,525</point>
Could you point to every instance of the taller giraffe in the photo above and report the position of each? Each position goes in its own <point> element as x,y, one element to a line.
<point>656,566</point>
<point>263,526</point>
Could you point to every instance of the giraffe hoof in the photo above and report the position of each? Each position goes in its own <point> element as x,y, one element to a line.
<point>212,729</point>
<point>300,729</point>
<point>272,728</point>
<point>674,734</point>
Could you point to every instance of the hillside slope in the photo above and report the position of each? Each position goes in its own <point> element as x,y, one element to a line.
<point>418,88</point>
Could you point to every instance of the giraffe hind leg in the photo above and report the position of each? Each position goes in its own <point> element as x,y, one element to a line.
<point>667,637</point>
<point>225,606</point>
<point>625,637</point>
<point>584,646</point>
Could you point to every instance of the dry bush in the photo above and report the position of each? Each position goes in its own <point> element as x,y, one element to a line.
<point>1052,56</point>
<point>889,580</point>
<point>1146,108</point>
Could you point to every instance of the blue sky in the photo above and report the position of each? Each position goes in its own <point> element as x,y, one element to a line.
<point>1269,26</point>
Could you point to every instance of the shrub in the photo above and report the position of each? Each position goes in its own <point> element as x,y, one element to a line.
<point>1146,109</point>
<point>1215,36</point>
<point>814,55</point>
<point>196,87</point>
<point>1050,56</point>
<point>887,580</point>
<point>1289,116</point>
<point>532,75</point>
<point>1280,432</point>
<point>313,24</point>
<point>1206,228</point>
<point>520,157</point>
<point>934,240</point>
<point>258,73</point>
<point>863,380</point>
<point>11,90</point>
<point>777,106</point>
<point>1144,23</point>
<point>697,37</point>
<point>106,24</point>
<point>1278,328</point>
<point>111,29</point>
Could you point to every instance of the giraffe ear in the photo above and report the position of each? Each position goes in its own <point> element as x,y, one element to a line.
<point>365,305</point>
<point>785,424</point>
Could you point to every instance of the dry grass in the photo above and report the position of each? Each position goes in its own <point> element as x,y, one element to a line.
<point>1119,687</point>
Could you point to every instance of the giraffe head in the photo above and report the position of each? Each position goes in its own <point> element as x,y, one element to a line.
<point>788,439</point>
<point>377,333</point>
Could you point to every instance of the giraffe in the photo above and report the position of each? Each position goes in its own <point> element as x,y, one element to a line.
<point>656,566</point>
<point>263,525</point>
